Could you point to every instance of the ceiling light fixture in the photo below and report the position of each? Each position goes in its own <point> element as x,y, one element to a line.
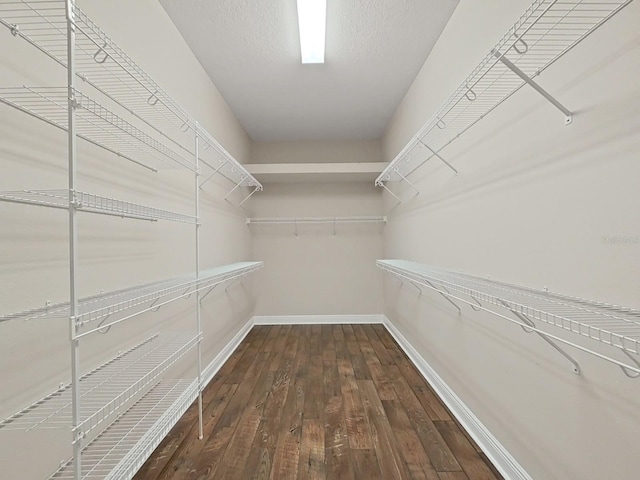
<point>312,22</point>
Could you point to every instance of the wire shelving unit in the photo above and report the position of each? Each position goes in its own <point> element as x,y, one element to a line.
<point>544,33</point>
<point>88,202</point>
<point>608,327</point>
<point>119,411</point>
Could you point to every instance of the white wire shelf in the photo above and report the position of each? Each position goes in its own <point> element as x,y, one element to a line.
<point>314,220</point>
<point>545,32</point>
<point>107,389</point>
<point>99,62</point>
<point>95,123</point>
<point>88,202</point>
<point>122,303</point>
<point>219,161</point>
<point>611,325</point>
<point>121,449</point>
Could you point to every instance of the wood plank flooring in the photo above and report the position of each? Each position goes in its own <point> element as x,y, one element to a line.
<point>318,402</point>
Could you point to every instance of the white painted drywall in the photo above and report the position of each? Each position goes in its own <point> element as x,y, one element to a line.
<point>317,151</point>
<point>536,203</point>
<point>317,273</point>
<point>113,253</point>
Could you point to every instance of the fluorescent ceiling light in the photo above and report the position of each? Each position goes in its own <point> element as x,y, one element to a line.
<point>312,21</point>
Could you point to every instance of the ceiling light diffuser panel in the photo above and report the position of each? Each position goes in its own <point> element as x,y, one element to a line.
<point>312,21</point>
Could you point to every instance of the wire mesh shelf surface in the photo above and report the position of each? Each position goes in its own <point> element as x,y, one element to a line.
<point>89,202</point>
<point>120,450</point>
<point>609,324</point>
<point>98,60</point>
<point>95,123</point>
<point>108,388</point>
<point>98,307</point>
<point>546,31</point>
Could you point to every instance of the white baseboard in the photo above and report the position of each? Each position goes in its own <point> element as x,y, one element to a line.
<point>210,370</point>
<point>316,319</point>
<point>493,449</point>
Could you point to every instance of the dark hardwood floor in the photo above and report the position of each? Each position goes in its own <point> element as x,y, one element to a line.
<point>318,402</point>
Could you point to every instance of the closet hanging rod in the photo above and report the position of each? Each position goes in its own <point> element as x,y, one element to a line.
<point>303,220</point>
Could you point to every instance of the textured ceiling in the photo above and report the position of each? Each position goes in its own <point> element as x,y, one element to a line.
<point>251,51</point>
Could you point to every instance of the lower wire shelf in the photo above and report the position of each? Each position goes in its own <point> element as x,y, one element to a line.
<point>121,449</point>
<point>605,324</point>
<point>108,389</point>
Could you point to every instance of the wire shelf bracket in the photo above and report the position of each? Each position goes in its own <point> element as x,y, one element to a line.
<point>528,325</point>
<point>609,326</point>
<point>568,116</point>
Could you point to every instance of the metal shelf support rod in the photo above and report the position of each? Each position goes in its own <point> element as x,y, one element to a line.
<point>531,324</point>
<point>256,189</point>
<point>445,296</point>
<point>568,116</point>
<point>406,180</point>
<point>214,172</point>
<point>73,240</point>
<point>381,184</point>
<point>436,154</point>
<point>198,299</point>
<point>238,185</point>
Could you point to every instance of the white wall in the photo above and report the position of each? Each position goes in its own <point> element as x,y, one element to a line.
<point>536,203</point>
<point>317,272</point>
<point>113,253</point>
<point>317,151</point>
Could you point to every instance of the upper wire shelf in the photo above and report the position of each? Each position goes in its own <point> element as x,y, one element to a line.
<point>545,32</point>
<point>612,325</point>
<point>95,123</point>
<point>99,62</point>
<point>121,449</point>
<point>151,296</point>
<point>107,389</point>
<point>88,202</point>
<point>214,156</point>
